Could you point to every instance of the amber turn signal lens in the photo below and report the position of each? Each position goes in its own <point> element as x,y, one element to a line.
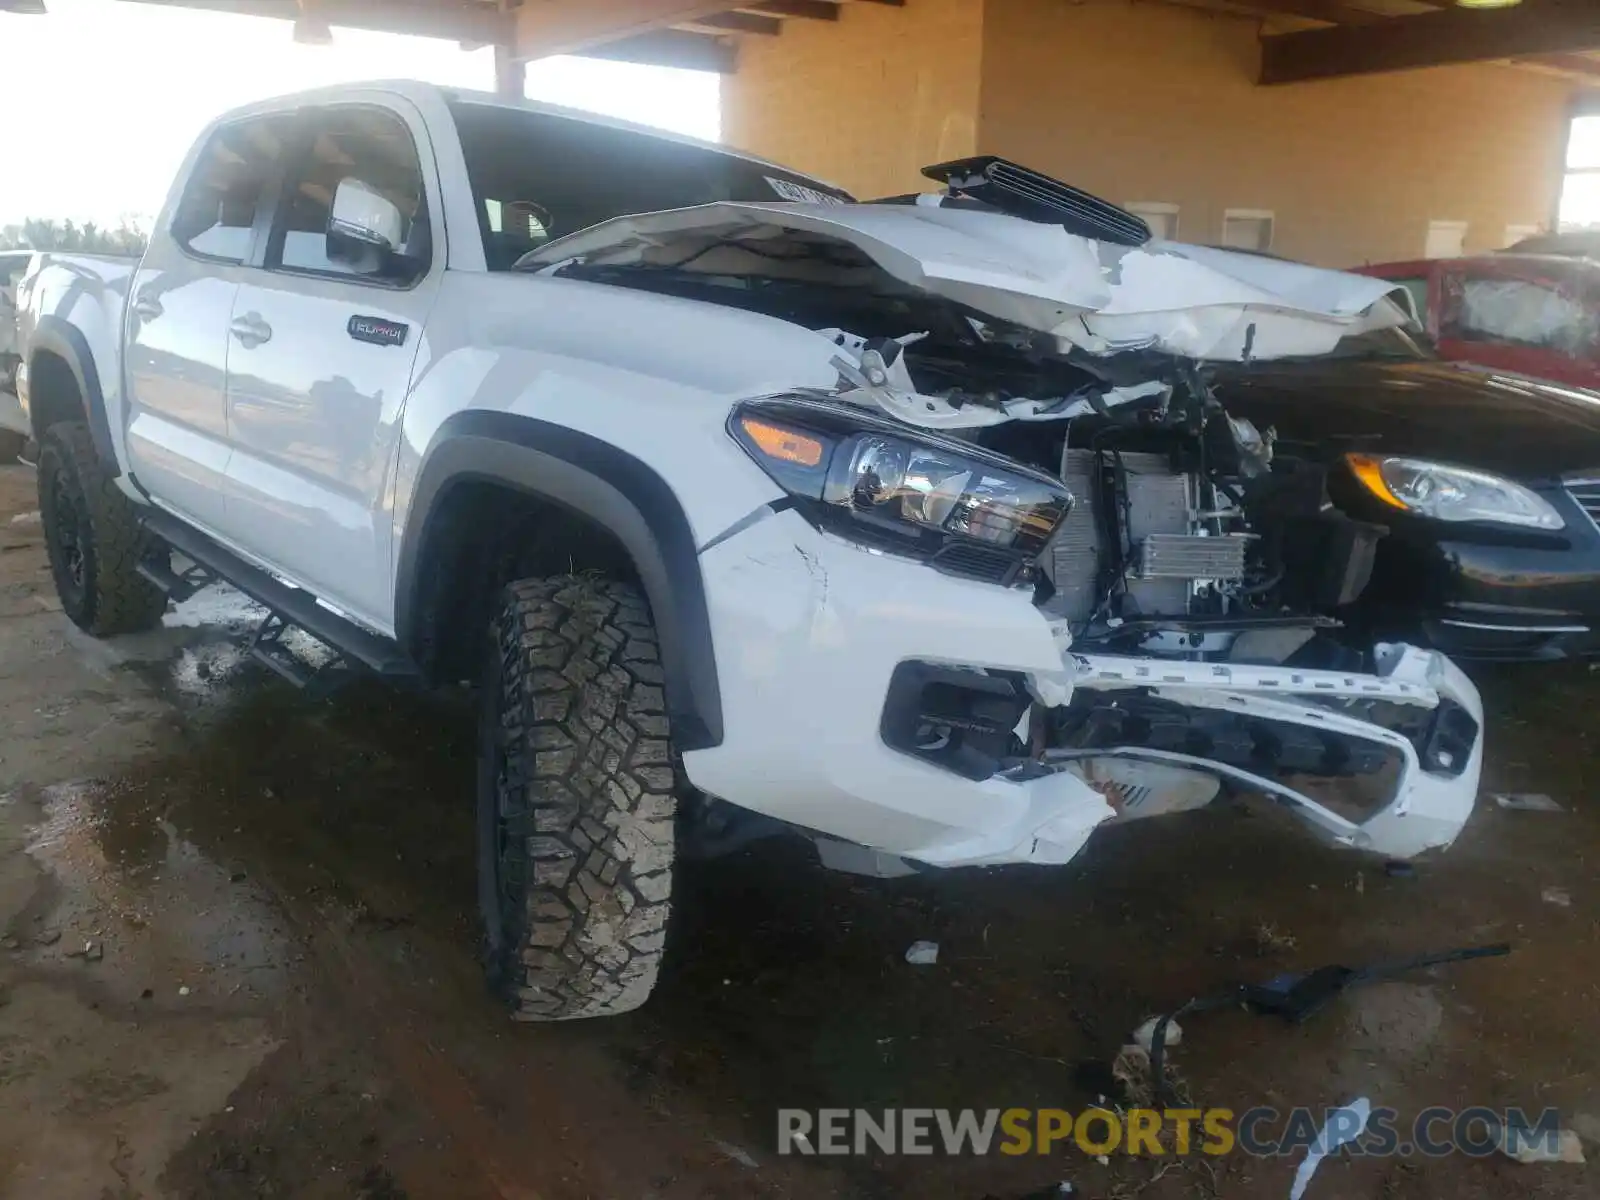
<point>1370,472</point>
<point>785,445</point>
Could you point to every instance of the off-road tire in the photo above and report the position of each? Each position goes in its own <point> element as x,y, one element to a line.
<point>93,538</point>
<point>576,800</point>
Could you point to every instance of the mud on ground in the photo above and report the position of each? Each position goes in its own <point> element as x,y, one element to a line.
<point>239,962</point>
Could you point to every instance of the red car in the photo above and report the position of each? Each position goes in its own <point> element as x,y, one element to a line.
<point>1530,314</point>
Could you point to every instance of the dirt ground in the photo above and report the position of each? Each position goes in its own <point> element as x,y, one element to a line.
<point>238,962</point>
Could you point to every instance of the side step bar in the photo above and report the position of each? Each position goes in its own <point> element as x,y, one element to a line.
<point>287,606</point>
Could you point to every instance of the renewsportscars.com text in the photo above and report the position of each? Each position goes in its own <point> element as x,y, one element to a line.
<point>1260,1132</point>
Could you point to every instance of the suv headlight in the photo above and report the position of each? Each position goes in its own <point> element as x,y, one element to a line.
<point>886,485</point>
<point>1445,493</point>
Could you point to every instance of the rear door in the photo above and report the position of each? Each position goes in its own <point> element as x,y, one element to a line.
<point>321,343</point>
<point>177,323</point>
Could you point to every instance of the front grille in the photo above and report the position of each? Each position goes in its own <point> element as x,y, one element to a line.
<point>986,563</point>
<point>1586,494</point>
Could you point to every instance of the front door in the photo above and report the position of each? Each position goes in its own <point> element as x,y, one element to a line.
<point>177,321</point>
<point>321,343</point>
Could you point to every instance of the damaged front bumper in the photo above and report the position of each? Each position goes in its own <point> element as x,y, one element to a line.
<point>812,630</point>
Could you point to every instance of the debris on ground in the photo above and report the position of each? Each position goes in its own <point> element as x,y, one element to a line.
<point>1344,1125</point>
<point>1527,802</point>
<point>1145,1034</point>
<point>1298,996</point>
<point>1560,897</point>
<point>1520,1146</point>
<point>1133,1073</point>
<point>923,954</point>
<point>743,1157</point>
<point>1269,941</point>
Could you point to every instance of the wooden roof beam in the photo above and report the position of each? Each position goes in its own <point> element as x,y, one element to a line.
<point>1447,37</point>
<point>545,27</point>
<point>1331,11</point>
<point>672,48</point>
<point>809,10</point>
<point>721,23</point>
<point>465,21</point>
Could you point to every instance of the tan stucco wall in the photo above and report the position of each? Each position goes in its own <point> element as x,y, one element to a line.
<point>865,101</point>
<point>1149,102</point>
<point>1156,103</point>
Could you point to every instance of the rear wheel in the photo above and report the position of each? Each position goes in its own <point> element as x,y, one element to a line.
<point>93,537</point>
<point>576,800</point>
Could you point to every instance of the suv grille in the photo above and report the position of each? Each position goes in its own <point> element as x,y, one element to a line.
<point>1587,494</point>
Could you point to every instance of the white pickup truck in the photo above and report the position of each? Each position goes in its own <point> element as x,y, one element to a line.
<point>913,525</point>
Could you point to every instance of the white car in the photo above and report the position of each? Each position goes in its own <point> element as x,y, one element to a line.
<point>912,525</point>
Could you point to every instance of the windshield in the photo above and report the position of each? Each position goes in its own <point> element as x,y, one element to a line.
<point>537,176</point>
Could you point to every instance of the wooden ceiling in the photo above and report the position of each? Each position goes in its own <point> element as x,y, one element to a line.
<point>1552,35</point>
<point>1302,40</point>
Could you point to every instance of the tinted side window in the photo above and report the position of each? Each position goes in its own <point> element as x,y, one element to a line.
<point>370,146</point>
<point>228,186</point>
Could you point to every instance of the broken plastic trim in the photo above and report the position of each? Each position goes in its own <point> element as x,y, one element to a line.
<point>1022,192</point>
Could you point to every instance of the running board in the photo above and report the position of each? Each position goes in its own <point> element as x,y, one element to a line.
<point>289,606</point>
<point>177,586</point>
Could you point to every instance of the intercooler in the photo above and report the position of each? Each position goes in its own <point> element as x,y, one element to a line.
<point>1168,553</point>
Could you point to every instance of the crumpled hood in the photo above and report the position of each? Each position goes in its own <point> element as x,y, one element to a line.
<point>1191,301</point>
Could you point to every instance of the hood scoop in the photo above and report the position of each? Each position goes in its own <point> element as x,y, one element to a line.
<point>1020,192</point>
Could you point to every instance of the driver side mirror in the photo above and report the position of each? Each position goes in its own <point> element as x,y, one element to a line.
<point>360,214</point>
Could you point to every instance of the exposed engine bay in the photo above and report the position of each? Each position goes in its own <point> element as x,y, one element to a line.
<point>1189,536</point>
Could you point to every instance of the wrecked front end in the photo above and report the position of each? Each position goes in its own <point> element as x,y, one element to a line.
<point>961,659</point>
<point>1029,576</point>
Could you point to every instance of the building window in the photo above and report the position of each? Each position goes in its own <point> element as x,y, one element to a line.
<point>1162,218</point>
<point>1580,191</point>
<point>1446,239</point>
<point>1247,229</point>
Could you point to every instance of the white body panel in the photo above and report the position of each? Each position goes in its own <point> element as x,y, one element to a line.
<point>314,418</point>
<point>303,452</point>
<point>89,292</point>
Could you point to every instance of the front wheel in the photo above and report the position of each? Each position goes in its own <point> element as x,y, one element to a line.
<point>93,537</point>
<point>576,800</point>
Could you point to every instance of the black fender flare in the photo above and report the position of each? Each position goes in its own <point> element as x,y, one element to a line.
<point>616,491</point>
<point>52,335</point>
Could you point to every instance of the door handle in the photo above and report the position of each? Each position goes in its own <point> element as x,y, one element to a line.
<point>147,308</point>
<point>251,330</point>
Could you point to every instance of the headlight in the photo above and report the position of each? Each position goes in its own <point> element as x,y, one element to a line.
<point>884,484</point>
<point>1432,489</point>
